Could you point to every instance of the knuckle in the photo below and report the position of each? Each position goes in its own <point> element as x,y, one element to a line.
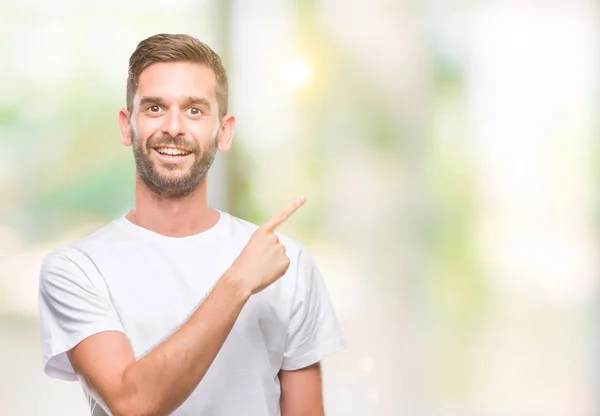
<point>261,230</point>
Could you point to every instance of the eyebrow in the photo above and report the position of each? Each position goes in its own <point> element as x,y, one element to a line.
<point>150,100</point>
<point>198,100</point>
<point>189,101</point>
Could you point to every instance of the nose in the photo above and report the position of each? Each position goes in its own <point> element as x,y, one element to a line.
<point>173,125</point>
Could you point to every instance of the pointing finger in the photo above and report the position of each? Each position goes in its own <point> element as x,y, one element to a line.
<point>284,214</point>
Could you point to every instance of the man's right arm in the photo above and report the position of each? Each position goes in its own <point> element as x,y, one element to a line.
<point>162,380</point>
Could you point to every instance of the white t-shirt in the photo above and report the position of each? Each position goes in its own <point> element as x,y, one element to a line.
<point>129,279</point>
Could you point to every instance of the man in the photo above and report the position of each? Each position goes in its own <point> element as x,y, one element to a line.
<point>176,307</point>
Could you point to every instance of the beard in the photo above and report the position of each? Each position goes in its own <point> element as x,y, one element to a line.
<point>182,183</point>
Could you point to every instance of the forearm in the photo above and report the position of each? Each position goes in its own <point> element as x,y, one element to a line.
<point>161,381</point>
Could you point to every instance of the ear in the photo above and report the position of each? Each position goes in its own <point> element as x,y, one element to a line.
<point>125,127</point>
<point>226,132</point>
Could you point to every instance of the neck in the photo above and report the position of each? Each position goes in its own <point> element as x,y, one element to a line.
<point>172,217</point>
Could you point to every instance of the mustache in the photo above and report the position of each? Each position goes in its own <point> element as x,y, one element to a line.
<point>190,146</point>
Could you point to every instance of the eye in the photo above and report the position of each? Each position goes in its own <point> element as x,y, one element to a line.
<point>194,111</point>
<point>154,108</point>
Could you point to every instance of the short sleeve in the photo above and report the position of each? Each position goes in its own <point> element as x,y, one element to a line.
<point>313,331</point>
<point>71,309</point>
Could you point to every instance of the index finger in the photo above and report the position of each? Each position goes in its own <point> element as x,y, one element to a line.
<point>284,214</point>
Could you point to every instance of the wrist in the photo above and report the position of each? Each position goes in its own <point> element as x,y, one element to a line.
<point>234,281</point>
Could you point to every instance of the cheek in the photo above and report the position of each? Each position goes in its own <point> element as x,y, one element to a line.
<point>204,133</point>
<point>146,127</point>
<point>201,128</point>
<point>216,129</point>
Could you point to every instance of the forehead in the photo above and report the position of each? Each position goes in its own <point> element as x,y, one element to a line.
<point>172,80</point>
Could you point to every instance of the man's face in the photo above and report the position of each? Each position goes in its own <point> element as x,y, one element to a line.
<point>174,127</point>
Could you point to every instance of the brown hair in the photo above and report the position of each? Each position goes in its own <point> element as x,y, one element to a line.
<point>175,48</point>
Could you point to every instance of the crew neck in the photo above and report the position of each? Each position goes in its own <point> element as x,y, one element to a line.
<point>148,235</point>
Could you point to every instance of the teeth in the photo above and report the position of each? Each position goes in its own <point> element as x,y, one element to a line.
<point>171,151</point>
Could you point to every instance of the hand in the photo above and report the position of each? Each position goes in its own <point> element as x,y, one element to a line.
<point>263,260</point>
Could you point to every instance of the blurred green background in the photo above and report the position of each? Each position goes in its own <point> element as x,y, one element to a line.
<point>448,150</point>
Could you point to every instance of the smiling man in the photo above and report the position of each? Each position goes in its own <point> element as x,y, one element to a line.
<point>177,307</point>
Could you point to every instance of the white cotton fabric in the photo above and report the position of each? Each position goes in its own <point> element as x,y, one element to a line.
<point>129,279</point>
